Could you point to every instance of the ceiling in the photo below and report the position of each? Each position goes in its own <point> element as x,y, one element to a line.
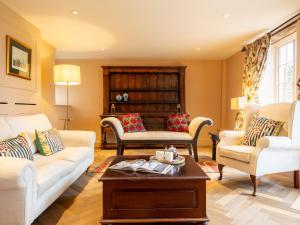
<point>161,29</point>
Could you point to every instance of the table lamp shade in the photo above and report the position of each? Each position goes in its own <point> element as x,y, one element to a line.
<point>65,74</point>
<point>238,103</point>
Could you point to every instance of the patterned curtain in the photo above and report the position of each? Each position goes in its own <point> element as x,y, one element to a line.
<point>298,85</point>
<point>256,56</point>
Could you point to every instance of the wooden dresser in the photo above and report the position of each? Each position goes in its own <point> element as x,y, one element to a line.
<point>154,92</point>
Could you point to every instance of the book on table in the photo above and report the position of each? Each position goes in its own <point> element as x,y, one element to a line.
<point>142,165</point>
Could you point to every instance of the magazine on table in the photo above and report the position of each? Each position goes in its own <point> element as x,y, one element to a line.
<point>142,165</point>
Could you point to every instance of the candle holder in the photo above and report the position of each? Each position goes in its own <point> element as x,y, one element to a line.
<point>113,109</point>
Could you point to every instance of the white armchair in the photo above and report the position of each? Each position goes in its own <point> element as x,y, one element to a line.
<point>272,154</point>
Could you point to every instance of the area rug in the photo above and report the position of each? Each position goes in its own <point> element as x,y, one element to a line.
<point>210,168</point>
<point>97,170</point>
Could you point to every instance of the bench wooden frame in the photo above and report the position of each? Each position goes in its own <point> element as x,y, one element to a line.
<point>190,144</point>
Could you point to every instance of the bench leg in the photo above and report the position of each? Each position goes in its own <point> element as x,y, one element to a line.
<point>189,147</point>
<point>195,150</point>
<point>120,149</point>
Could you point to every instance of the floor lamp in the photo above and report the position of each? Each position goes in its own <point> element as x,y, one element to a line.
<point>67,75</point>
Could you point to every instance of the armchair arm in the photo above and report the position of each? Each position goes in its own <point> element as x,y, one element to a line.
<point>274,142</point>
<point>18,190</point>
<point>115,124</point>
<point>231,137</point>
<point>196,125</point>
<point>78,138</point>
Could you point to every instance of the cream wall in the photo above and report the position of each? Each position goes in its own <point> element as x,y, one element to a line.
<point>203,91</point>
<point>13,89</point>
<point>232,86</point>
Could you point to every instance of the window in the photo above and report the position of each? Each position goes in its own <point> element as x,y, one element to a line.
<point>285,69</point>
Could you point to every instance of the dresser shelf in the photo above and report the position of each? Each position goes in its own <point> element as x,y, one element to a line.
<point>154,92</point>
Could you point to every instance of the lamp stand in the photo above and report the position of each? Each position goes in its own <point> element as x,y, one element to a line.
<point>239,120</point>
<point>67,123</point>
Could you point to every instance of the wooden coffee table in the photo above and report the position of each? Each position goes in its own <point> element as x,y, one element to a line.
<point>177,197</point>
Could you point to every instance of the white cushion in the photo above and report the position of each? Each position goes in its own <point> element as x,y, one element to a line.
<point>50,172</point>
<point>75,154</point>
<point>279,112</point>
<point>29,124</point>
<point>157,135</point>
<point>238,152</point>
<point>5,131</point>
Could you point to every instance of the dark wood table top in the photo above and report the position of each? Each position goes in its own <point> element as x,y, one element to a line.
<point>190,171</point>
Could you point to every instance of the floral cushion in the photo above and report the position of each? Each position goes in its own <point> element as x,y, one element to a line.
<point>17,147</point>
<point>132,122</point>
<point>260,127</point>
<point>178,122</point>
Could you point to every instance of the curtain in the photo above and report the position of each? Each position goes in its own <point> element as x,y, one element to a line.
<point>298,85</point>
<point>255,59</point>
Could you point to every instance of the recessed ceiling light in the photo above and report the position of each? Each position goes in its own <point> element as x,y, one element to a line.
<point>75,12</point>
<point>197,49</point>
<point>226,15</point>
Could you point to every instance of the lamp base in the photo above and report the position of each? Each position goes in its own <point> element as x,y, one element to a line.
<point>239,120</point>
<point>67,124</point>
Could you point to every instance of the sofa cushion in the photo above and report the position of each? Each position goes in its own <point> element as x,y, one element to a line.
<point>178,122</point>
<point>5,131</point>
<point>132,122</point>
<point>28,124</point>
<point>49,172</point>
<point>75,154</point>
<point>16,147</point>
<point>157,135</point>
<point>48,142</point>
<point>237,152</point>
<point>260,127</point>
<point>72,154</point>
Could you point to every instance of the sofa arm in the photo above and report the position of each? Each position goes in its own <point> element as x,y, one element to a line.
<point>274,142</point>
<point>115,124</point>
<point>196,125</point>
<point>18,190</point>
<point>78,138</point>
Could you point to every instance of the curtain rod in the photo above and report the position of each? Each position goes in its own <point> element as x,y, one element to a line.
<point>283,26</point>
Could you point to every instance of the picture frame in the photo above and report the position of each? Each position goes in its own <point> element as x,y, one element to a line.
<point>18,58</point>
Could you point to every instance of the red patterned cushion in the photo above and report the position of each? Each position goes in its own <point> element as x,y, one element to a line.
<point>178,122</point>
<point>132,122</point>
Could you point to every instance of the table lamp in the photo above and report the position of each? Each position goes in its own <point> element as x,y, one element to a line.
<point>66,75</point>
<point>239,104</point>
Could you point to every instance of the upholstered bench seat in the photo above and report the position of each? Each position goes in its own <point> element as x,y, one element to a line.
<point>157,135</point>
<point>189,138</point>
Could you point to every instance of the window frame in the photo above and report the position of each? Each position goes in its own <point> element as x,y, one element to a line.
<point>276,46</point>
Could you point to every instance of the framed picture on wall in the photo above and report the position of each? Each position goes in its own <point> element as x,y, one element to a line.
<point>18,59</point>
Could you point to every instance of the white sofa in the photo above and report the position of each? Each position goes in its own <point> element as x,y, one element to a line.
<point>274,154</point>
<point>190,139</point>
<point>27,187</point>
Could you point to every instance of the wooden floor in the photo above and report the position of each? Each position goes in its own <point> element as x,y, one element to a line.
<point>229,201</point>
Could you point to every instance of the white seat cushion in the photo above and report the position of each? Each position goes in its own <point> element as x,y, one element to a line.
<point>72,154</point>
<point>157,135</point>
<point>75,154</point>
<point>237,152</point>
<point>49,172</point>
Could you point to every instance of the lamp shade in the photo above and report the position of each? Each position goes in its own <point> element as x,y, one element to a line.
<point>238,103</point>
<point>65,74</point>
